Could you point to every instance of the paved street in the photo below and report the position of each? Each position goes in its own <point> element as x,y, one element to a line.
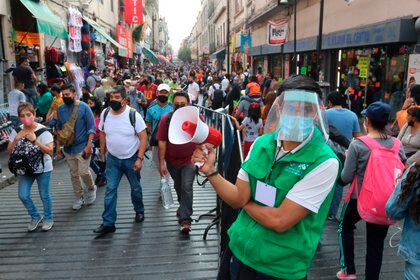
<point>152,250</point>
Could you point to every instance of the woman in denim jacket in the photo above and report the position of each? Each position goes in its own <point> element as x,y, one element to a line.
<point>405,204</point>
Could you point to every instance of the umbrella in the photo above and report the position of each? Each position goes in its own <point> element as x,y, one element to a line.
<point>162,58</point>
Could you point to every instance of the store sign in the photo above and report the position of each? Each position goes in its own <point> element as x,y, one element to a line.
<point>363,66</point>
<point>277,32</point>
<point>125,38</point>
<point>133,11</point>
<point>27,38</point>
<point>413,73</point>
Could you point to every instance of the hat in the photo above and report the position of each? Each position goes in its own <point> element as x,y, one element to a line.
<point>164,87</point>
<point>127,82</point>
<point>377,112</point>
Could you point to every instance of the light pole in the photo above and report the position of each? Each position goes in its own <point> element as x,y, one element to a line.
<point>153,31</point>
<point>319,41</point>
<point>228,38</point>
<point>279,2</point>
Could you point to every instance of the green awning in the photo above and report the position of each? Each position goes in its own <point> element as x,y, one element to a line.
<point>103,33</point>
<point>150,55</point>
<point>47,22</point>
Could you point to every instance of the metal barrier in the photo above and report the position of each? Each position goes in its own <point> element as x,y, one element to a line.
<point>5,125</point>
<point>220,120</point>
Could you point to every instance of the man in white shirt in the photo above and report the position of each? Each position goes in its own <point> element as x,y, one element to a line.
<point>225,83</point>
<point>15,97</point>
<point>193,90</point>
<point>123,141</point>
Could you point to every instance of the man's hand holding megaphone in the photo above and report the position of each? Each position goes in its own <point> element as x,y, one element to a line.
<point>186,126</point>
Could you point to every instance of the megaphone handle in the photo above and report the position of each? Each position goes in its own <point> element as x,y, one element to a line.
<point>201,164</point>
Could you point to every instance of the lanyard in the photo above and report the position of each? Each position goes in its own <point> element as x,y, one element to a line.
<point>268,176</point>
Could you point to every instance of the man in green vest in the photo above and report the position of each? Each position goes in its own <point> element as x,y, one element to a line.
<point>284,188</point>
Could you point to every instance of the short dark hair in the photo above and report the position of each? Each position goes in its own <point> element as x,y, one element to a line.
<point>55,88</point>
<point>415,113</point>
<point>22,60</point>
<point>415,93</point>
<point>42,88</point>
<point>26,106</point>
<point>335,98</point>
<point>68,87</point>
<point>183,94</point>
<point>119,89</point>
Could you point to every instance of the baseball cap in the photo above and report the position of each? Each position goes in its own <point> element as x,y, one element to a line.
<point>164,87</point>
<point>377,111</point>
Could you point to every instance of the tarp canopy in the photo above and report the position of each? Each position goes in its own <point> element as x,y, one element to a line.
<point>47,22</point>
<point>103,33</point>
<point>150,55</point>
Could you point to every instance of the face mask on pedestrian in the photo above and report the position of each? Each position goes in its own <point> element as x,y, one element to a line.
<point>410,123</point>
<point>115,105</point>
<point>177,106</point>
<point>295,128</point>
<point>28,121</point>
<point>68,100</point>
<point>162,98</point>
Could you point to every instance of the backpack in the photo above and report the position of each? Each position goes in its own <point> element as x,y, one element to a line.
<point>26,157</point>
<point>383,169</point>
<point>66,134</point>
<point>217,101</point>
<point>132,115</point>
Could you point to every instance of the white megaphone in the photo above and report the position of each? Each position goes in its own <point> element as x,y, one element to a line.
<point>186,126</point>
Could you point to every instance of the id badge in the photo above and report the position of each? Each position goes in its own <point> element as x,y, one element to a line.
<point>265,194</point>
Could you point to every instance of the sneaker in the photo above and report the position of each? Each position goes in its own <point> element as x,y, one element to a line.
<point>33,225</point>
<point>78,203</point>
<point>185,227</point>
<point>344,276</point>
<point>47,225</point>
<point>90,197</point>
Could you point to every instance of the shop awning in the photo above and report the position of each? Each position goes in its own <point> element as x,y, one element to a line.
<point>47,22</point>
<point>219,54</point>
<point>103,33</point>
<point>150,55</point>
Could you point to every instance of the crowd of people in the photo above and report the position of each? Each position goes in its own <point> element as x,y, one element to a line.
<point>299,155</point>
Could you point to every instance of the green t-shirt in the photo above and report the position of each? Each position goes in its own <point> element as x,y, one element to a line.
<point>44,102</point>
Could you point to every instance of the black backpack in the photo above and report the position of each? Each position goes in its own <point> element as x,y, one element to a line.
<point>217,101</point>
<point>132,118</point>
<point>26,157</point>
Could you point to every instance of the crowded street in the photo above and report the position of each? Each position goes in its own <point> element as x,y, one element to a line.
<point>210,139</point>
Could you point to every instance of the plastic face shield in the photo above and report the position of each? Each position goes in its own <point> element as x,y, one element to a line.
<point>295,114</point>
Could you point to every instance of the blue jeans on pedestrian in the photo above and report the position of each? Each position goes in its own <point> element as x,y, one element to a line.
<point>412,271</point>
<point>115,169</point>
<point>335,203</point>
<point>24,185</point>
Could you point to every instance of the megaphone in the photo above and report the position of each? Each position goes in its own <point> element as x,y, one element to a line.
<point>186,126</point>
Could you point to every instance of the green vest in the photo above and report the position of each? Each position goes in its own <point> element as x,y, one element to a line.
<point>286,255</point>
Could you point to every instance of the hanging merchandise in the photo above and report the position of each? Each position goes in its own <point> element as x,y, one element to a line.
<point>75,34</point>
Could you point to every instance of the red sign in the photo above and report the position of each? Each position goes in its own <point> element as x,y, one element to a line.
<point>133,11</point>
<point>125,38</point>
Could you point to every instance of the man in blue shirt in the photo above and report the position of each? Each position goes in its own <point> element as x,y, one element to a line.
<point>79,152</point>
<point>343,119</point>
<point>347,123</point>
<point>154,114</point>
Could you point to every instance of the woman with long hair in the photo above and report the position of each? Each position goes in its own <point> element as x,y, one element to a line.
<point>405,204</point>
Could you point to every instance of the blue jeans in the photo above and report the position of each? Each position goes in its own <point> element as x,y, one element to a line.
<point>24,186</point>
<point>335,203</point>
<point>115,168</point>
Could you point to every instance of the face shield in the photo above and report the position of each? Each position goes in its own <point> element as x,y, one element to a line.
<point>295,114</point>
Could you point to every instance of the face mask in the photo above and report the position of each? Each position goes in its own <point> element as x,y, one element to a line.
<point>177,106</point>
<point>162,98</point>
<point>115,105</point>
<point>293,128</point>
<point>68,100</point>
<point>28,121</point>
<point>410,123</point>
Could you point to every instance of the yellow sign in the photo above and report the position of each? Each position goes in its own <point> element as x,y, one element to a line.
<point>363,66</point>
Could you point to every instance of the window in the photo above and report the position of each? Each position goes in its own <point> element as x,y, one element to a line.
<point>238,6</point>
<point>112,5</point>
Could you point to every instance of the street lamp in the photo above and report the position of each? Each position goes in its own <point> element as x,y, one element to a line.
<point>153,31</point>
<point>294,2</point>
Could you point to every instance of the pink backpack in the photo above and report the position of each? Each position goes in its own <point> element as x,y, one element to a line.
<point>383,169</point>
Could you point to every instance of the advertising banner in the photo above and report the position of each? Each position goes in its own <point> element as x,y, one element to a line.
<point>413,73</point>
<point>125,38</point>
<point>277,32</point>
<point>133,11</point>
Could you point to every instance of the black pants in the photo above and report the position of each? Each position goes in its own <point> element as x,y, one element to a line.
<point>375,236</point>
